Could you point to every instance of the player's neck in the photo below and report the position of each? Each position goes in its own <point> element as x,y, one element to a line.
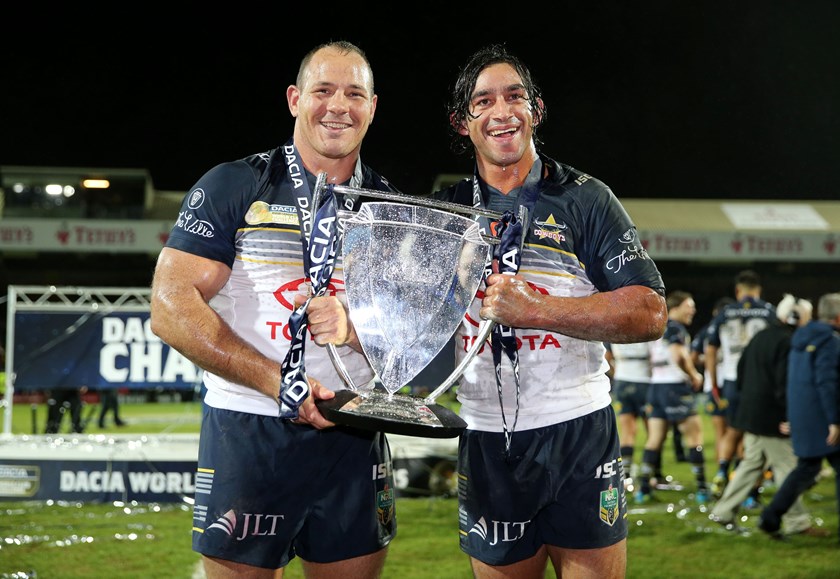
<point>338,170</point>
<point>506,178</point>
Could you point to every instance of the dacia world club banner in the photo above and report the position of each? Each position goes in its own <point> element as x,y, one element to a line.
<point>95,349</point>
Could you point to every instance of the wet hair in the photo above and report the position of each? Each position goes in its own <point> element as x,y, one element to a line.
<point>458,108</point>
<point>343,47</point>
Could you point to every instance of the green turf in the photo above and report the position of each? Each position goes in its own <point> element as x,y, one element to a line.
<point>670,538</point>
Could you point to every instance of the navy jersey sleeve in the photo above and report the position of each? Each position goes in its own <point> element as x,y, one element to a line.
<point>211,213</point>
<point>612,251</point>
<point>713,331</point>
<point>698,343</point>
<point>675,333</point>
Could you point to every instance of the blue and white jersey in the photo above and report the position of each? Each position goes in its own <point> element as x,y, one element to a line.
<point>247,214</point>
<point>733,328</point>
<point>698,345</point>
<point>632,361</point>
<point>579,241</point>
<point>664,368</point>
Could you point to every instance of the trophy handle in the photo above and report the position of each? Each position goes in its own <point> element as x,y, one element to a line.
<point>483,333</point>
<point>341,368</point>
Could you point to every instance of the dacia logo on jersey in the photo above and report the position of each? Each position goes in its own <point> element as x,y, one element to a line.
<point>609,510</point>
<point>261,212</point>
<point>549,229</point>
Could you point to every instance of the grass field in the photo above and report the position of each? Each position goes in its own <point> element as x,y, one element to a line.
<point>670,538</point>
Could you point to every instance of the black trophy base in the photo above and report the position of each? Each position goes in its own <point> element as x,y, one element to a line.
<point>395,414</point>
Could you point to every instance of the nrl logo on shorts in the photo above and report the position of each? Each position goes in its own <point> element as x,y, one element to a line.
<point>609,506</point>
<point>385,505</point>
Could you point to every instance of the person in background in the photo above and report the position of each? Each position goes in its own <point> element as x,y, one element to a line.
<point>630,364</point>
<point>539,459</point>
<point>674,381</point>
<point>762,384</point>
<point>813,410</point>
<point>712,405</point>
<point>110,402</point>
<point>61,401</point>
<point>728,334</point>
<point>276,479</point>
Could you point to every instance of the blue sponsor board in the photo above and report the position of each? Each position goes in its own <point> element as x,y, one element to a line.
<point>169,481</point>
<point>125,467</point>
<point>92,480</point>
<point>95,349</point>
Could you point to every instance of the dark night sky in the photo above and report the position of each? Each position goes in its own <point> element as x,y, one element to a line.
<point>675,99</point>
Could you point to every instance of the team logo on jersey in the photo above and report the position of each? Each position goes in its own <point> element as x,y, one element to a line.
<point>385,505</point>
<point>262,212</point>
<point>196,199</point>
<point>609,510</point>
<point>285,294</point>
<point>550,229</point>
<point>634,250</point>
<point>628,236</point>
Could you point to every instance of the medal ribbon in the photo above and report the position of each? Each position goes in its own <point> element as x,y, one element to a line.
<point>320,263</point>
<point>507,255</point>
<point>503,338</point>
<point>320,246</point>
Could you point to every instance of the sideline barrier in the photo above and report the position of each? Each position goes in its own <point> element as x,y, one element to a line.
<point>161,468</point>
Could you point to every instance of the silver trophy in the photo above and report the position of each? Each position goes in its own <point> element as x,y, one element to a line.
<point>411,269</point>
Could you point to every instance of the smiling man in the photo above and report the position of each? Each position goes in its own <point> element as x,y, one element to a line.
<point>539,464</point>
<point>275,479</point>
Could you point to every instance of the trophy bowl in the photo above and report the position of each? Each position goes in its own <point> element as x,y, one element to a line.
<point>410,274</point>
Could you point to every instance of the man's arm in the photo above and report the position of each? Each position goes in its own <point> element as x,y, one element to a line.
<point>625,315</point>
<point>711,355</point>
<point>682,358</point>
<point>181,316</point>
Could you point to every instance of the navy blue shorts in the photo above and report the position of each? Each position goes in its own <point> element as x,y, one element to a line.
<point>267,490</point>
<point>712,407</point>
<point>732,396</point>
<point>674,402</point>
<point>561,486</point>
<point>630,397</point>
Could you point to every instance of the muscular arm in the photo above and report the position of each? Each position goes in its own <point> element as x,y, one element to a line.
<point>626,315</point>
<point>181,316</point>
<point>183,285</point>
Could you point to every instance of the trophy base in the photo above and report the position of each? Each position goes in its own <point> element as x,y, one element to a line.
<point>395,414</point>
